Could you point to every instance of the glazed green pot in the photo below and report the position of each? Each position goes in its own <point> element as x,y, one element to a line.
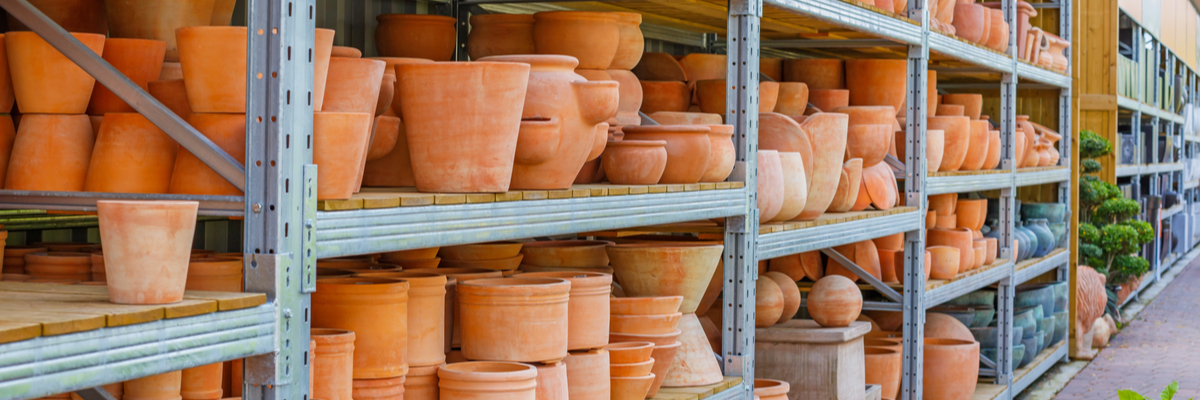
<point>1036,294</point>
<point>1024,319</point>
<point>983,316</point>
<point>1062,321</point>
<point>963,314</point>
<point>976,298</point>
<point>1053,212</point>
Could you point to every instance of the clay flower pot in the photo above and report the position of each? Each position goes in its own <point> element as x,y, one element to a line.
<point>147,245</point>
<point>214,87</point>
<point>868,142</point>
<point>665,96</point>
<point>971,213</point>
<point>653,324</point>
<point>393,169</point>
<point>960,238</point>
<point>834,301</point>
<point>58,266</point>
<point>829,99</point>
<point>970,22</point>
<point>339,148</point>
<point>972,103</point>
<point>421,383</point>
<point>667,269</point>
<point>879,186</point>
<point>795,187</point>
<point>849,185</point>
<point>791,295</point>
<point>588,306</point>
<point>588,374</point>
<point>387,129</point>
<point>645,305</point>
<point>694,364</point>
<point>514,319</point>
<point>139,60</point>
<point>43,79</point>
<point>883,367</point>
<point>711,94</point>
<point>629,352</point>
<point>659,67</point>
<point>635,162</point>
<point>687,147</point>
<point>816,73</point>
<point>632,43</point>
<point>191,176</point>
<point>50,152</point>
<point>956,363</point>
<point>957,132</point>
<point>699,66</point>
<point>378,389</point>
<point>333,363</point>
<point>161,386</point>
<point>566,253</point>
<point>353,85</point>
<point>977,150</point>
<point>771,186</point>
<point>86,16</point>
<point>944,260</point>
<point>552,381</point>
<point>488,380</point>
<point>131,155</point>
<point>877,82</point>
<point>768,303</point>
<point>426,315</point>
<point>935,147</point>
<point>474,151</point>
<point>481,251</point>
<point>943,204</point>
<point>173,94</point>
<point>827,134</point>
<point>591,37</point>
<point>376,310</point>
<point>993,155</point>
<point>500,34</point>
<point>770,389</point>
<point>998,37</point>
<point>721,156</point>
<point>147,19</point>
<point>415,36</point>
<point>792,98</point>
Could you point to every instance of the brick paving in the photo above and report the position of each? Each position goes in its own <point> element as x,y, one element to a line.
<point>1162,344</point>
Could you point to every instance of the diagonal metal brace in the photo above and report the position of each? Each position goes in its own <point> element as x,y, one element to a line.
<point>96,393</point>
<point>987,362</point>
<point>187,136</point>
<point>883,288</point>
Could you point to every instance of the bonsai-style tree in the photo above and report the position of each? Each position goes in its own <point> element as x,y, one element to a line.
<point>1109,236</point>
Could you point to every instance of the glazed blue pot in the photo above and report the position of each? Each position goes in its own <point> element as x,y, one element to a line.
<point>1046,240</point>
<point>1053,212</point>
<point>1060,233</point>
<point>1030,245</point>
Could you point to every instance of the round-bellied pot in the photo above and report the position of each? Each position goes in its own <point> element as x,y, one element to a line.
<point>666,269</point>
<point>670,96</point>
<point>43,79</point>
<point>58,265</point>
<point>768,303</point>
<point>474,150</point>
<point>72,15</point>
<point>960,238</point>
<point>416,36</point>
<point>721,154</point>
<point>147,245</point>
<point>426,315</point>
<point>834,301</point>
<point>376,310</point>
<point>868,142</point>
<point>876,82</point>
<point>588,307</point>
<point>566,253</point>
<point>339,149</point>
<point>816,73</point>
<point>214,87</point>
<point>945,261</point>
<point>771,185</point>
<point>131,155</point>
<point>792,98</point>
<point>155,387</point>
<point>795,187</point>
<point>139,60</point>
<point>487,380</point>
<point>192,176</point>
<point>500,34</point>
<point>148,19</point>
<point>333,363</point>
<point>955,363</point>
<point>514,319</point>
<point>50,152</point>
<point>631,44</point>
<point>688,148</point>
<point>591,37</point>
<point>421,383</point>
<point>378,389</point>
<point>588,374</point>
<point>770,389</point>
<point>957,131</point>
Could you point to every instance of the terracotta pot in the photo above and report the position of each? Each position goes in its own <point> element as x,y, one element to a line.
<point>891,263</point>
<point>770,389</point>
<point>353,85</point>
<point>86,16</point>
<point>345,52</point>
<point>218,274</point>
<point>828,99</point>
<point>959,238</point>
<point>935,145</point>
<point>376,310</point>
<point>868,142</point>
<point>686,118</point>
<point>790,292</point>
<point>59,266</point>
<point>441,163</point>
<point>333,361</point>
<point>588,374</point>
<point>488,380</point>
<point>644,324</point>
<point>883,367</point>
<point>993,155</point>
<point>849,185</point>
<point>700,66</point>
<point>191,176</point>
<point>949,110</point>
<point>998,35</point>
<point>379,389</point>
<point>386,130</point>
<point>659,67</point>
<point>956,363</point>
<point>155,387</point>
<point>795,188</point>
<point>687,149</point>
<point>426,315</point>
<point>772,68</point>
<point>957,131</point>
<point>173,94</point>
<point>500,34</point>
<point>879,186</point>
<point>14,257</point>
<point>650,305</point>
<point>792,98</point>
<point>214,87</point>
<point>816,73</point>
<point>666,269</point>
<point>721,156</point>
<point>943,204</point>
<point>834,301</point>
<point>500,264</point>
<point>945,261</point>
<point>566,253</point>
<point>972,103</point>
<point>141,19</point>
<point>630,99</point>
<point>591,37</point>
<point>694,364</point>
<point>588,307</point>
<point>339,148</point>
<point>970,22</point>
<point>629,352</point>
<point>51,152</point>
<point>393,169</point>
<point>711,96</point>
<point>671,96</point>
<point>772,188</point>
<point>421,383</point>
<point>416,36</point>
<point>768,303</point>
<point>481,251</point>
<point>826,132</point>
<point>514,319</point>
<point>552,381</point>
<point>631,44</point>
<point>877,82</point>
<point>147,245</point>
<point>138,59</point>
<point>43,79</point>
<point>971,213</point>
<point>977,150</point>
<point>172,70</point>
<point>631,387</point>
<point>131,155</point>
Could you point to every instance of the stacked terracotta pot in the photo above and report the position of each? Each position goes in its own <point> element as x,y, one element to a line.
<point>956,243</point>
<point>362,316</point>
<point>630,366</point>
<point>413,259</point>
<point>343,121</point>
<point>629,337</point>
<point>1036,144</point>
<point>497,256</point>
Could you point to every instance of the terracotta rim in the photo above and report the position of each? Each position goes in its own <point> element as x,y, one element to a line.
<point>487,371</point>
<point>537,60</point>
<point>948,342</point>
<point>634,130</point>
<point>362,281</point>
<point>627,346</point>
<point>501,19</point>
<point>721,130</point>
<point>516,284</point>
<point>637,143</point>
<point>572,15</point>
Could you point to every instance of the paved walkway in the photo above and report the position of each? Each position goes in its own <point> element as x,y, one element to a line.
<point>1162,344</point>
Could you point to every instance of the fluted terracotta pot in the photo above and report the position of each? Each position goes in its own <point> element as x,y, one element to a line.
<point>214,87</point>
<point>959,238</point>
<point>50,152</point>
<point>416,36</point>
<point>486,380</point>
<point>588,322</point>
<point>795,187</point>
<point>956,363</point>
<point>816,73</point>
<point>43,79</point>
<point>772,187</point>
<point>834,301</point>
<point>147,245</point>
<point>376,310</point>
<point>164,386</point>
<point>131,155</point>
<point>687,147</point>
<point>977,150</point>
<point>149,19</point>
<point>379,389</point>
<point>591,37</point>
<point>500,34</point>
<point>192,176</point>
<point>674,269</point>
<point>957,131</point>
<point>588,374</point>
<point>138,59</point>
<point>877,82</point>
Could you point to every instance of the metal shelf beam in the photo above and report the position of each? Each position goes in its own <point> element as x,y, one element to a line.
<point>952,290</point>
<point>779,244</point>
<point>1045,265</point>
<point>227,206</point>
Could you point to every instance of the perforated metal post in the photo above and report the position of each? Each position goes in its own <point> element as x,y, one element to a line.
<point>914,187</point>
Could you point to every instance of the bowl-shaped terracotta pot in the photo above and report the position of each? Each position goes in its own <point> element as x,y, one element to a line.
<point>944,260</point>
<point>868,142</point>
<point>340,141</point>
<point>959,238</point>
<point>588,374</point>
<point>648,305</point>
<point>591,37</point>
<point>671,96</point>
<point>834,301</point>
<point>957,131</point>
<point>43,79</point>
<point>192,176</point>
<point>140,60</point>
<point>977,151</point>
<point>771,186</point>
<point>980,248</point>
<point>629,352</point>
<point>667,269</point>
<point>878,186</point>
<point>688,149</point>
<point>566,253</point>
<point>634,162</point>
<point>792,98</point>
<point>828,99</point>
<point>770,389</point>
<point>214,87</point>
<point>972,103</point>
<point>147,247</point>
<point>971,213</point>
<point>416,36</point>
<point>588,323</point>
<point>376,310</point>
<point>721,154</point>
<point>644,324</point>
<point>816,73</point>
<point>956,363</point>
<point>876,82</point>
<point>795,186</point>
<point>500,34</point>
<point>514,319</point>
<point>631,387</point>
<point>131,156</point>
<point>700,66</point>
<point>50,152</point>
<point>486,379</point>
<point>632,43</point>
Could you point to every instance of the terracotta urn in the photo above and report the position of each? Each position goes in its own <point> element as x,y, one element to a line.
<point>131,155</point>
<point>43,79</point>
<point>632,43</point>
<point>829,99</point>
<point>426,315</point>
<point>173,95</point>
<point>970,21</point>
<point>960,238</point>
<point>591,37</point>
<point>687,147</point>
<point>849,185</point>
<point>977,150</point>
<point>86,16</point>
<point>956,363</point>
<point>333,363</point>
<point>514,319</point>
<point>957,131</point>
<point>795,187</point>
<point>357,305</point>
<point>722,155</point>
<point>816,73</point>
<point>659,67</point>
<point>421,383</point>
<point>877,82</point>
<point>945,261</point>
<point>415,36</point>
<point>972,103</point>
<point>772,187</point>
<point>191,176</point>
<point>340,141</point>
<point>474,151</point>
<point>139,60</point>
<point>792,98</point>
<point>634,162</point>
<point>147,245</point>
<point>155,387</point>
<point>993,155</point>
<point>666,269</point>
<point>214,87</point>
<point>480,380</point>
<point>500,34</point>
<point>659,96</point>
<point>588,306</point>
<point>834,301</point>
<point>791,295</point>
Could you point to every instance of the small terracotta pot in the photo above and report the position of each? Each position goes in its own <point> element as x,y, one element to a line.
<point>721,153</point>
<point>960,238</point>
<point>500,34</point>
<point>591,37</point>
<point>339,149</point>
<point>514,319</point>
<point>379,389</point>
<point>957,132</point>
<point>43,79</point>
<point>588,321</point>
<point>416,36</point>
<point>772,188</point>
<point>426,315</point>
<point>173,94</point>
<point>795,186</point>
<point>649,305</point>
<point>673,96</point>
<point>629,352</point>
<point>956,362</point>
<point>792,98</point>
<point>768,304</point>
<point>218,274</point>
<point>50,152</point>
<point>58,266</point>
<point>138,59</point>
<point>214,87</point>
<point>770,389</point>
<point>673,269</point>
<point>485,380</point>
<point>834,301</point>
<point>943,204</point>
<point>632,43</point>
<point>190,175</point>
<point>877,82</point>
<point>566,253</point>
<point>376,310</point>
<point>631,388</point>
<point>879,187</point>
<point>945,261</point>
<point>147,245</point>
<point>816,73</point>
<point>154,387</point>
<point>972,103</point>
<point>688,149</point>
<point>588,375</point>
<point>131,155</point>
<point>202,383</point>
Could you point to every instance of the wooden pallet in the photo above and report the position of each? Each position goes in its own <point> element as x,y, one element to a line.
<point>695,393</point>
<point>372,198</point>
<point>29,310</point>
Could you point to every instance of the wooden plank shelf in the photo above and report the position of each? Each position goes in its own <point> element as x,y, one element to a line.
<point>375,198</point>
<point>695,393</point>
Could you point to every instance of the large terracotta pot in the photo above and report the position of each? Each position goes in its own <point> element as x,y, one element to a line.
<point>50,152</point>
<point>632,43</point>
<point>829,99</point>
<point>191,176</point>
<point>426,315</point>
<point>85,16</point>
<point>694,363</point>
<point>514,319</point>
<point>415,36</point>
<point>322,53</point>
<point>868,142</point>
<point>588,308</point>
<point>795,187</point>
<point>671,96</point>
<point>500,34</point>
<point>771,186</point>
<point>972,103</point>
<point>353,85</point>
<point>955,363</point>
<point>379,389</point>
<point>816,73</point>
<point>634,162</point>
<point>959,238</point>
<point>666,269</point>
<point>333,362</point>
<point>687,147</point>
<point>376,310</point>
<point>147,245</point>
<point>473,149</point>
<point>550,158</point>
<point>421,383</point>
<point>588,375</point>
<point>957,131</point>
<point>43,79</point>
<point>977,151</point>
<point>486,380</point>
<point>993,155</point>
<point>971,213</point>
<point>339,149</point>
<point>722,155</point>
<point>591,37</point>
<point>834,301</point>
<point>214,87</point>
<point>877,82</point>
<point>158,20</point>
<point>138,59</point>
<point>164,386</point>
<point>792,98</point>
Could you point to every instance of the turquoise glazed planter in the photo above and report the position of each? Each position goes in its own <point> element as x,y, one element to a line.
<point>1046,239</point>
<point>1036,294</point>
<point>1053,212</point>
<point>1062,321</point>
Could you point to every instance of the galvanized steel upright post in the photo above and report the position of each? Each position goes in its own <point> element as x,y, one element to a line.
<point>1007,206</point>
<point>914,185</point>
<point>280,189</point>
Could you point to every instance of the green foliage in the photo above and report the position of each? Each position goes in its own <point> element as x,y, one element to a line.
<point>1094,192</point>
<point>1092,145</point>
<point>1144,229</point>
<point>1088,233</point>
<point>1092,256</point>
<point>1118,239</point>
<point>1167,394</point>
<point>1116,210</point>
<point>1127,268</point>
<point>1090,166</point>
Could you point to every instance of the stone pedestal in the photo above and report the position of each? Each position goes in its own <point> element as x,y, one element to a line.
<point>820,363</point>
